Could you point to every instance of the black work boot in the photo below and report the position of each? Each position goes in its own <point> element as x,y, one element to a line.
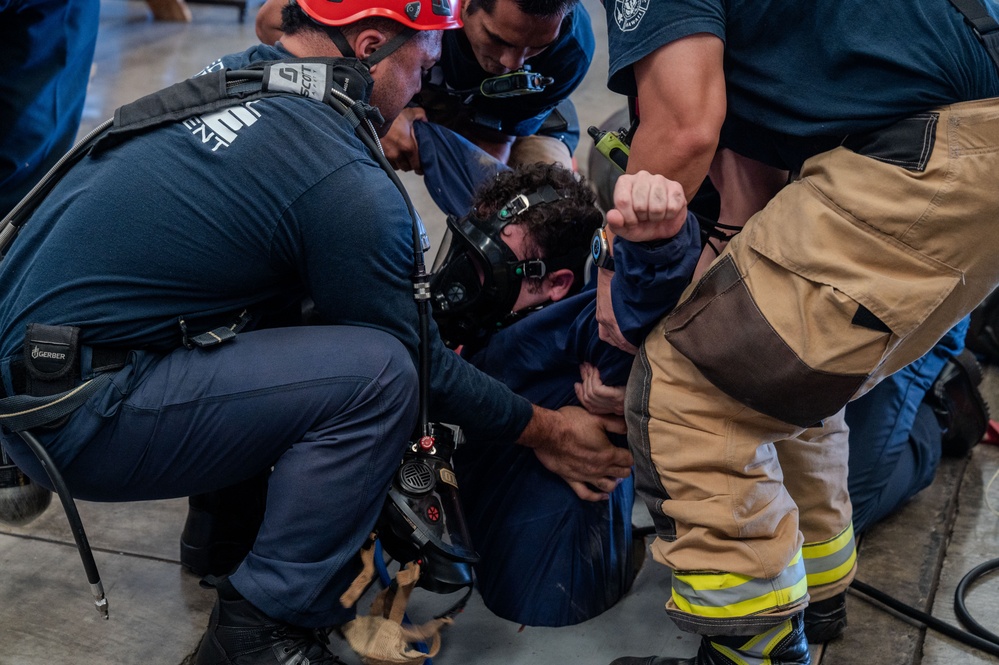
<point>825,619</point>
<point>240,634</point>
<point>783,644</point>
<point>222,525</point>
<point>958,404</point>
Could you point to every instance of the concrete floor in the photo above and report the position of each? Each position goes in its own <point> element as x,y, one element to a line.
<point>158,612</point>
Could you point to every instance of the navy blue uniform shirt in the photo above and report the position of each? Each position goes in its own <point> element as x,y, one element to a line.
<point>252,208</point>
<point>813,69</point>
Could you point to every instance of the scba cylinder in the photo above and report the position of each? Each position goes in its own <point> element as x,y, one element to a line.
<point>21,499</point>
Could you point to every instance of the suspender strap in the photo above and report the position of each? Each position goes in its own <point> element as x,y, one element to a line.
<point>985,27</point>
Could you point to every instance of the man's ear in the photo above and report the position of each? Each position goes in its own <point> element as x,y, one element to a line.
<point>559,282</point>
<point>367,42</point>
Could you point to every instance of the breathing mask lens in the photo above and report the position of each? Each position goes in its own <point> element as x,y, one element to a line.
<point>458,284</point>
<point>475,283</point>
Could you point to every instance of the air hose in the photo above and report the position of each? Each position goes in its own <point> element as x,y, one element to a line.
<point>961,594</point>
<point>421,280</point>
<point>75,523</point>
<point>983,641</point>
<point>9,227</point>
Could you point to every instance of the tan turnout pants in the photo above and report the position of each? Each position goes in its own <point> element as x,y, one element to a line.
<point>850,273</point>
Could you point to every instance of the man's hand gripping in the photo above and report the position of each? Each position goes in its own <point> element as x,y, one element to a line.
<point>647,207</point>
<point>399,143</point>
<point>573,443</point>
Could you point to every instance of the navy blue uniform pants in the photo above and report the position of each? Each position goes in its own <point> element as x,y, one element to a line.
<point>330,408</point>
<point>547,558</point>
<point>895,437</point>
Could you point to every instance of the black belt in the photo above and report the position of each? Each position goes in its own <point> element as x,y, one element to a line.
<point>102,359</point>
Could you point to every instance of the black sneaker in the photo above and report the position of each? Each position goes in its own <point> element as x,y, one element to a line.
<point>825,619</point>
<point>960,409</point>
<point>240,634</point>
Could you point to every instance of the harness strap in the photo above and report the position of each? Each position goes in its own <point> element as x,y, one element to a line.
<point>311,77</point>
<point>985,27</point>
<point>23,412</point>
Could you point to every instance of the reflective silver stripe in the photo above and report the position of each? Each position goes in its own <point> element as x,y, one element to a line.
<point>758,649</point>
<point>832,560</point>
<point>826,563</point>
<point>727,594</point>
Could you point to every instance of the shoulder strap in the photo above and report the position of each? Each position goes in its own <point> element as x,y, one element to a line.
<point>312,78</point>
<point>333,81</point>
<point>985,27</point>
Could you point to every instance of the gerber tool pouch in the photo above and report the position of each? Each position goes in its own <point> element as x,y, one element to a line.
<point>51,359</point>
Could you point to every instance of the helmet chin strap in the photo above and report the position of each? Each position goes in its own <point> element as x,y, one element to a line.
<point>390,47</point>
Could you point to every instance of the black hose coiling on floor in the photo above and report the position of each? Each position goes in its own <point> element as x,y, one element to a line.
<point>980,643</point>
<point>961,593</point>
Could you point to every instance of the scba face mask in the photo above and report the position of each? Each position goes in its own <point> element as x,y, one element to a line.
<point>477,277</point>
<point>475,285</point>
<point>422,518</point>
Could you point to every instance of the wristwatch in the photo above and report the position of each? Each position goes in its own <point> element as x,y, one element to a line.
<point>600,250</point>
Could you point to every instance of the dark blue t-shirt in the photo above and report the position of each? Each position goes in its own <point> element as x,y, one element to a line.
<point>813,69</point>
<point>566,61</point>
<point>252,207</point>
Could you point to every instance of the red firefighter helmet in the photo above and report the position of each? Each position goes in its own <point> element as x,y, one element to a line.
<point>416,14</point>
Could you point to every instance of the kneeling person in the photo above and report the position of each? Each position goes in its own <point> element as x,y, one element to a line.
<point>508,289</point>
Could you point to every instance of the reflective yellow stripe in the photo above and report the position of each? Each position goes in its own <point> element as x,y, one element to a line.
<point>831,560</point>
<point>721,581</point>
<point>722,595</point>
<point>831,546</point>
<point>775,635</point>
<point>750,653</point>
<point>731,654</point>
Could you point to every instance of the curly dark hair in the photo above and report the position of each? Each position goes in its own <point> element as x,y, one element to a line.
<point>559,230</point>
<point>532,7</point>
